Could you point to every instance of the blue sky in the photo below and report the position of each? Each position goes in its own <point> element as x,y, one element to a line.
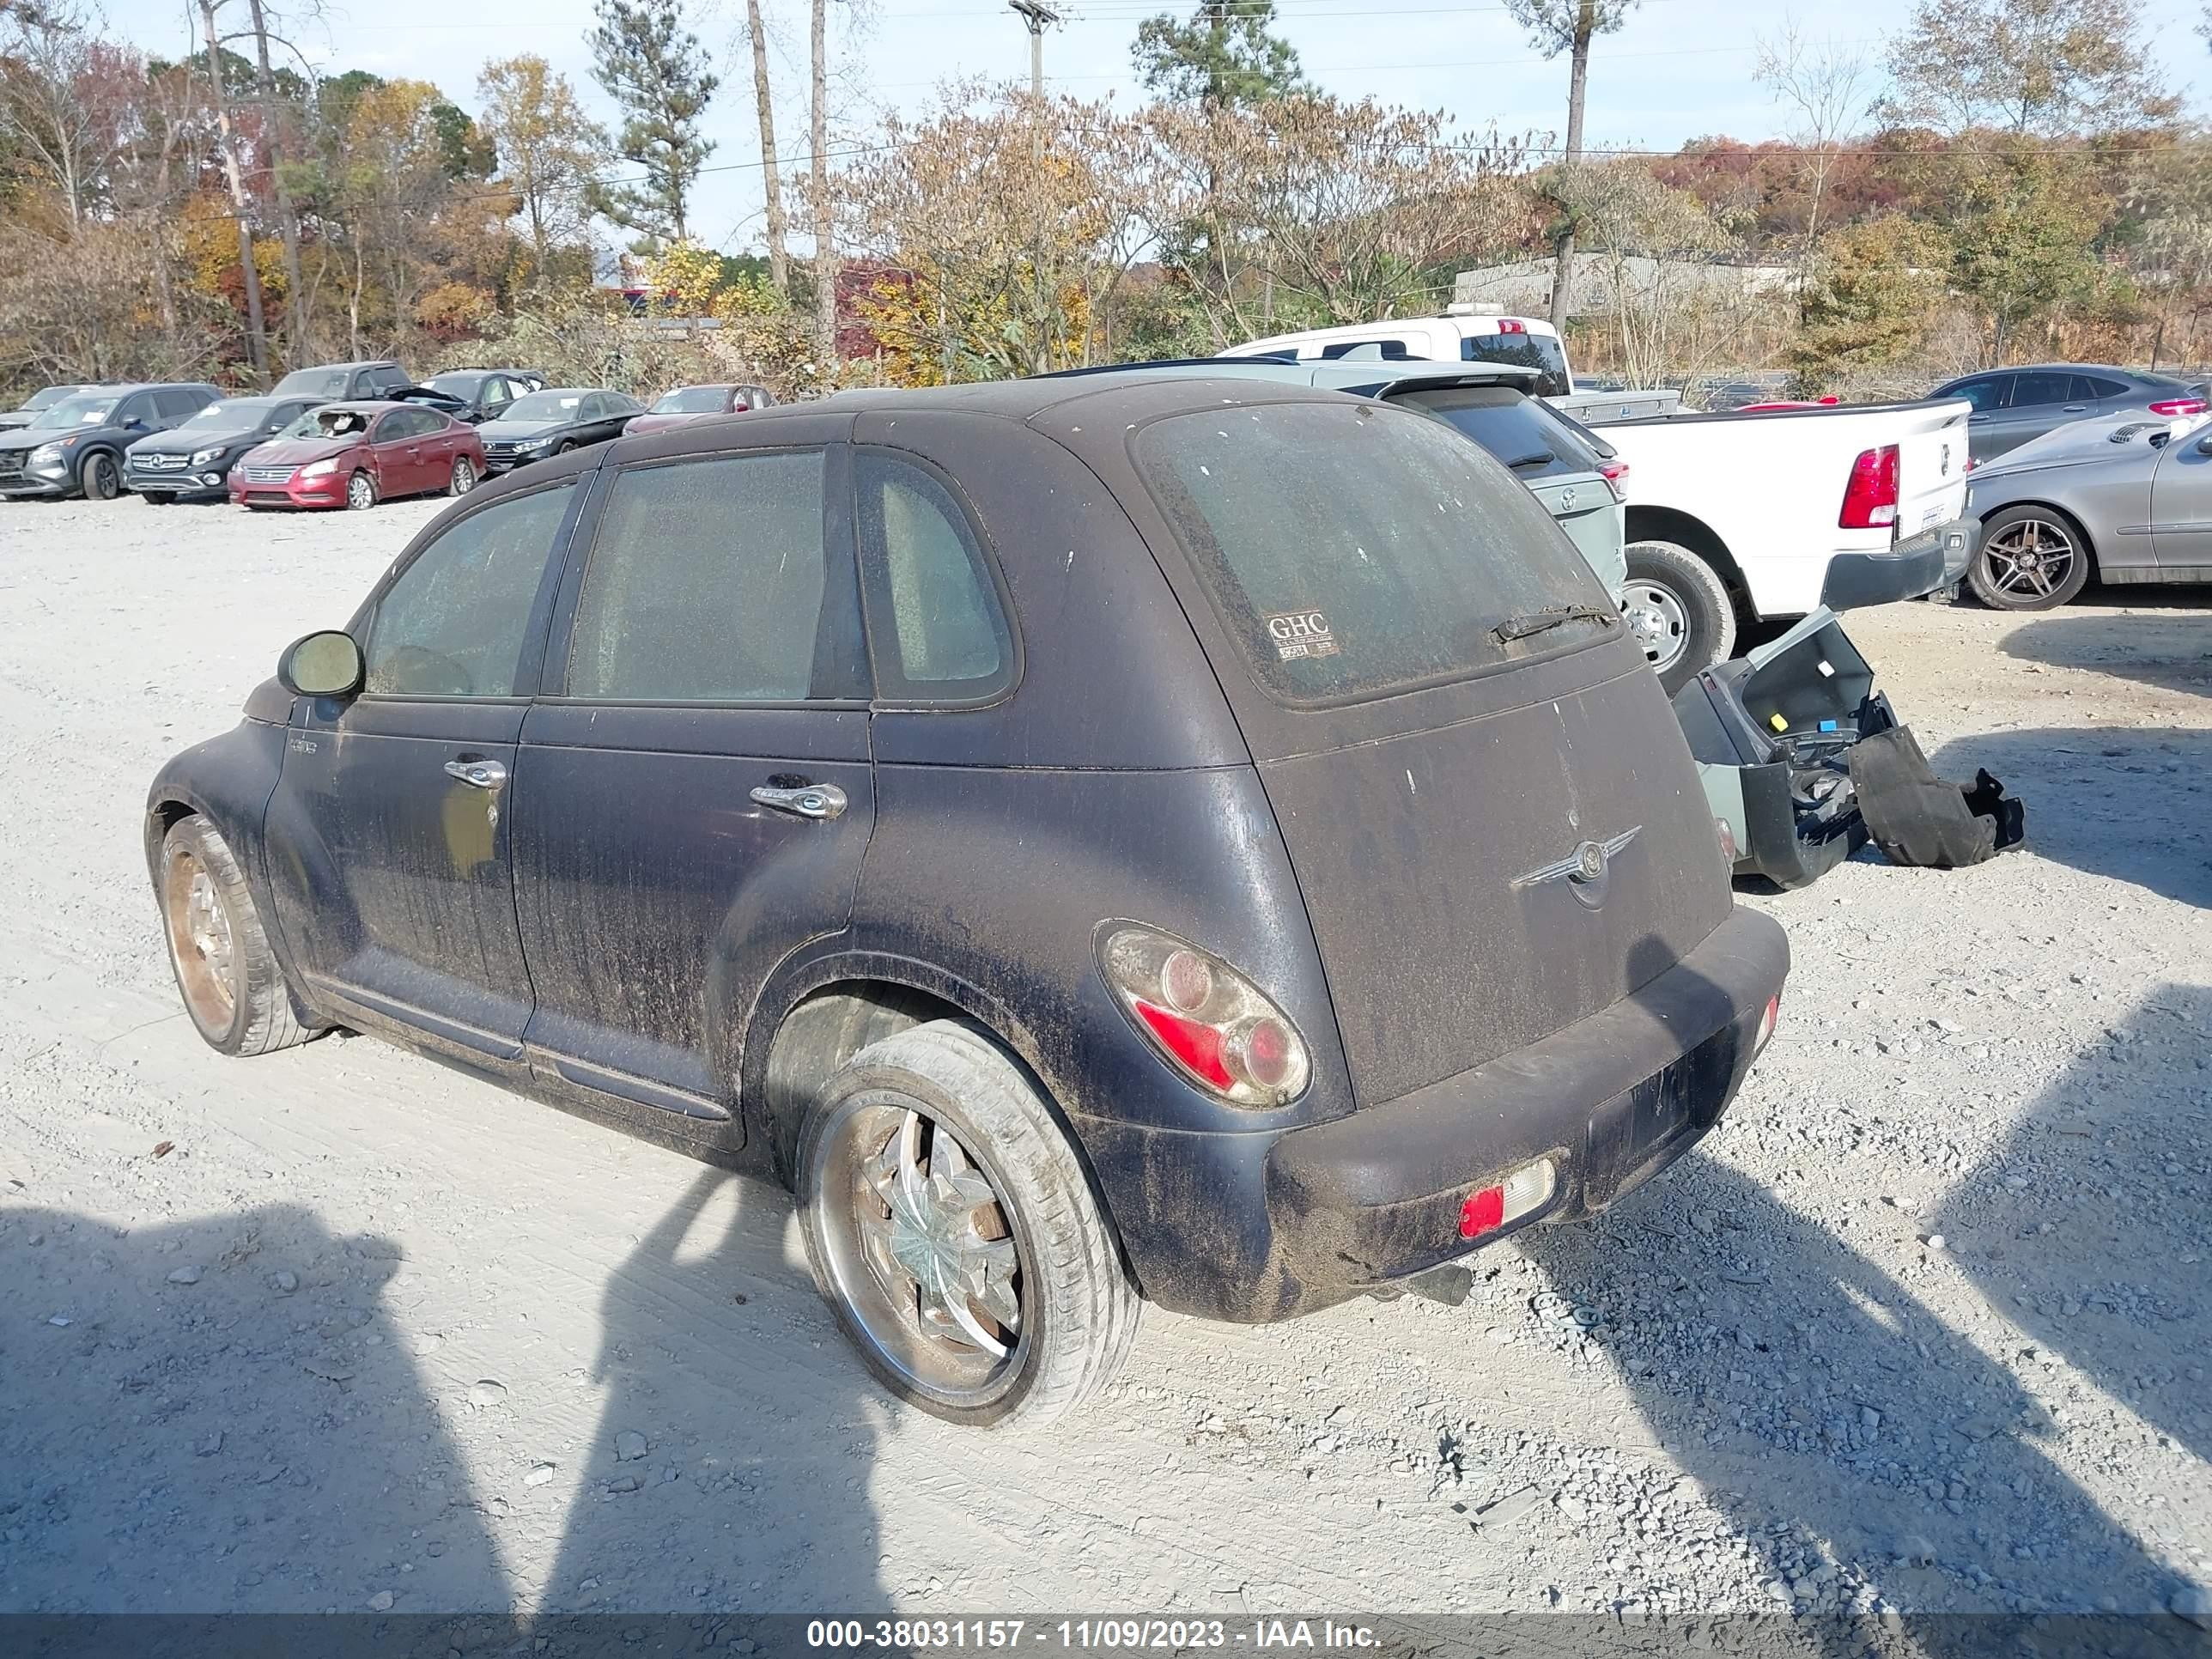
<point>1677,69</point>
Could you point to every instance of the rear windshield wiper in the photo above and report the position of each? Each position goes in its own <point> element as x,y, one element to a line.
<point>1536,622</point>
<point>1533,457</point>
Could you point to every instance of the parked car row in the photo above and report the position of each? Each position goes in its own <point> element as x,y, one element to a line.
<point>335,435</point>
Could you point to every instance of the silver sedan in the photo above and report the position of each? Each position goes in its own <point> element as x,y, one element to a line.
<point>2126,498</point>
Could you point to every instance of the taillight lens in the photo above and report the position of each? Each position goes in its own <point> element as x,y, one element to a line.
<point>1870,497</point>
<point>1728,841</point>
<point>1616,474</point>
<point>1489,1208</point>
<point>2172,406</point>
<point>1511,326</point>
<point>1768,1018</point>
<point>1207,1020</point>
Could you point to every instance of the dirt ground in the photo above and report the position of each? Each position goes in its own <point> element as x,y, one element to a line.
<point>1925,1324</point>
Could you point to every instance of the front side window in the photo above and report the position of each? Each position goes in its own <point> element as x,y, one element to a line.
<point>452,623</point>
<point>496,393</point>
<point>948,639</point>
<point>1356,549</point>
<point>710,582</point>
<point>2033,389</point>
<point>1986,394</point>
<point>1390,351</point>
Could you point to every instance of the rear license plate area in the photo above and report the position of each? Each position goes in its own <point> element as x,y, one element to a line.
<point>1680,1100</point>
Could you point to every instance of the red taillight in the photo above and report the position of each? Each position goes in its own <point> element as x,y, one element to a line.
<point>1527,1189</point>
<point>1511,326</point>
<point>1727,835</point>
<point>2174,406</point>
<point>1768,1018</point>
<point>1206,1018</point>
<point>1482,1210</point>
<point>1616,474</point>
<point>1195,1043</point>
<point>1870,497</point>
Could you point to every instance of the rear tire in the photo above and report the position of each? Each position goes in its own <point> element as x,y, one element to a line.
<point>464,477</point>
<point>98,476</point>
<point>2031,558</point>
<point>931,1157</point>
<point>228,978</point>
<point>1679,610</point>
<point>361,492</point>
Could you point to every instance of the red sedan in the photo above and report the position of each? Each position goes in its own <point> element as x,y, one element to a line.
<point>357,454</point>
<point>688,403</point>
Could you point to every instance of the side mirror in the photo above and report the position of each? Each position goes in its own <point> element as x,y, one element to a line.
<point>323,665</point>
<point>135,425</point>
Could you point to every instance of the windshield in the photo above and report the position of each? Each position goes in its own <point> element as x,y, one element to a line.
<point>231,414</point>
<point>47,397</point>
<point>328,423</point>
<point>545,406</point>
<point>1512,428</point>
<point>694,400</point>
<point>1538,351</point>
<point>75,411</point>
<point>314,383</point>
<point>1354,549</point>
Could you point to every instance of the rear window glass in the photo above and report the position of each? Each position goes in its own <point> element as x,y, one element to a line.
<point>1523,434</point>
<point>1538,351</point>
<point>1353,549</point>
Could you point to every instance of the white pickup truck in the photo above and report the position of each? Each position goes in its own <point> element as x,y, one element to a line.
<point>1742,517</point>
<point>1731,519</point>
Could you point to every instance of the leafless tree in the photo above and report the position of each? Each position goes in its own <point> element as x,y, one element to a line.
<point>779,254</point>
<point>234,171</point>
<point>1824,82</point>
<point>825,230</point>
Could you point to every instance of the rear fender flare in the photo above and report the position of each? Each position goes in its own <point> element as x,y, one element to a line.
<point>1645,523</point>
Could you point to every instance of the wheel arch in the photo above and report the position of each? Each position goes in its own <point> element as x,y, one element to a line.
<point>818,1011</point>
<point>2038,504</point>
<point>1646,523</point>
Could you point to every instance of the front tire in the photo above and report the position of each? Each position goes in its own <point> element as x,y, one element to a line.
<point>2031,558</point>
<point>228,978</point>
<point>950,1226</point>
<point>361,492</point>
<point>99,477</point>
<point>1677,607</point>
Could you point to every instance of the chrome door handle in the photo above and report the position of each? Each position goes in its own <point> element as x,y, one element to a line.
<point>812,800</point>
<point>478,774</point>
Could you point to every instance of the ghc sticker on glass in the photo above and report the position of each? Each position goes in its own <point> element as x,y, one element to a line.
<point>1301,633</point>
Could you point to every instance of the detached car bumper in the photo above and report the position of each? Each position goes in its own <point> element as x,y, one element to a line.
<point>1935,559</point>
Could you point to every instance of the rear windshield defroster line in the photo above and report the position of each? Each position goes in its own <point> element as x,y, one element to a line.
<point>1353,551</point>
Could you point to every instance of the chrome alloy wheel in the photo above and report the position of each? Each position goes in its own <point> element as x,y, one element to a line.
<point>201,941</point>
<point>2031,559</point>
<point>920,1248</point>
<point>1657,622</point>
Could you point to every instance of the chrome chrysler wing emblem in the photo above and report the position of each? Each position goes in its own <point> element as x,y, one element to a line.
<point>1585,867</point>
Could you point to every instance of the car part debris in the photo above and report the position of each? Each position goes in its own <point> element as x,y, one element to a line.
<point>1918,818</point>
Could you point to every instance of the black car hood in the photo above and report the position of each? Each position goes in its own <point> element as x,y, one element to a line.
<point>173,443</point>
<point>509,431</point>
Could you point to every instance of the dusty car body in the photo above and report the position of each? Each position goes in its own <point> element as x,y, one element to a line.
<point>2125,498</point>
<point>1162,842</point>
<point>356,454</point>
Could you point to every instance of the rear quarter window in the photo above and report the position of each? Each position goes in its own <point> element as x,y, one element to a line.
<point>1510,427</point>
<point>1353,551</point>
<point>1541,352</point>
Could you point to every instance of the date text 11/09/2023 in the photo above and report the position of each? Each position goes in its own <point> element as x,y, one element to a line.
<point>1087,1635</point>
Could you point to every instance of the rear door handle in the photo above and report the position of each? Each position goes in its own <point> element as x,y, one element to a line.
<point>477,773</point>
<point>2074,409</point>
<point>811,801</point>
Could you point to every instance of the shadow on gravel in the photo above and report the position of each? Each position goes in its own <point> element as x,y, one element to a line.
<point>730,1470</point>
<point>2128,802</point>
<point>2091,1228</point>
<point>1786,1362</point>
<point>2174,652</point>
<point>222,1416</point>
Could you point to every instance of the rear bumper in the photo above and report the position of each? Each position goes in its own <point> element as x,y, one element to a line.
<point>1935,559</point>
<point>1612,1099</point>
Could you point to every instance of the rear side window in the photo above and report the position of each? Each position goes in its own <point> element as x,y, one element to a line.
<point>929,591</point>
<point>2089,387</point>
<point>1515,429</point>
<point>452,623</point>
<point>1541,352</point>
<point>1354,549</point>
<point>1391,351</point>
<point>710,582</point>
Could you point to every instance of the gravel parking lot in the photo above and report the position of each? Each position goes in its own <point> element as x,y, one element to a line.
<point>1925,1324</point>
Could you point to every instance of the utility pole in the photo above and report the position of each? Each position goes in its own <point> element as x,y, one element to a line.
<point>1039,16</point>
